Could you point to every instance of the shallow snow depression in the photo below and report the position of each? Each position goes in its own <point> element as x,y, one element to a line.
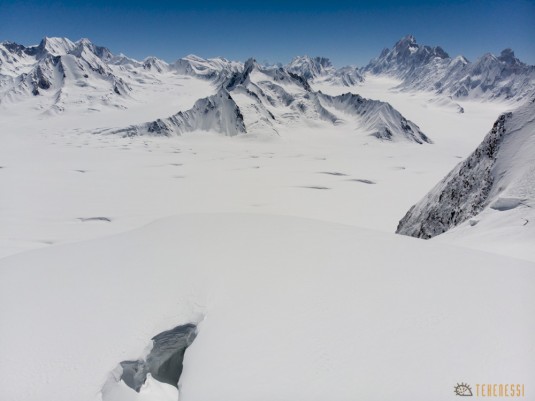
<point>164,361</point>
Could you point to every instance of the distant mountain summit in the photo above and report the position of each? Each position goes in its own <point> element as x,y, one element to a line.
<point>215,69</point>
<point>405,57</point>
<point>427,68</point>
<point>320,69</point>
<point>311,67</point>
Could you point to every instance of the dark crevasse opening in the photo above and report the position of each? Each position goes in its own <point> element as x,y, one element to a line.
<point>164,362</point>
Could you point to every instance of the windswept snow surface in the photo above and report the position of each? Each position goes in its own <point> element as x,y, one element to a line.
<point>287,308</point>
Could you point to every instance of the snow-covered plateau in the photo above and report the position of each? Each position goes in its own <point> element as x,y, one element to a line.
<point>209,229</point>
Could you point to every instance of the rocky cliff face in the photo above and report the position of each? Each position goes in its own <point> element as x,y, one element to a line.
<point>499,174</point>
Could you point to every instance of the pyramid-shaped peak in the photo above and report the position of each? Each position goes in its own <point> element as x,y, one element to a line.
<point>84,42</point>
<point>406,40</point>
<point>56,45</point>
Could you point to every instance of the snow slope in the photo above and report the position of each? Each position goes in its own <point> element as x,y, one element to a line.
<point>497,178</point>
<point>286,308</point>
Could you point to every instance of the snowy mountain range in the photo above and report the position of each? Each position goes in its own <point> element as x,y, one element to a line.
<point>62,73</point>
<point>422,67</point>
<point>57,62</point>
<point>58,68</point>
<point>262,100</point>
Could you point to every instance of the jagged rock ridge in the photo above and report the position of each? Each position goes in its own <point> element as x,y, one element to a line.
<point>217,113</point>
<point>499,175</point>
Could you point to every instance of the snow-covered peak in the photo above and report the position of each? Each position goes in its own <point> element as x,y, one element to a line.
<point>460,60</point>
<point>155,64</point>
<point>242,77</point>
<point>422,67</point>
<point>320,69</point>
<point>487,57</point>
<point>214,69</point>
<point>504,66</point>
<point>12,47</point>
<point>86,45</point>
<point>123,60</point>
<point>250,64</point>
<point>193,57</point>
<point>408,47</point>
<point>405,56</point>
<point>405,41</point>
<point>508,56</point>
<point>84,41</point>
<point>218,63</point>
<point>217,113</point>
<point>14,59</point>
<point>310,67</point>
<point>55,46</point>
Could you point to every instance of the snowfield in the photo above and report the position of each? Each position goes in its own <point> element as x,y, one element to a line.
<point>59,171</point>
<point>287,308</point>
<point>251,209</point>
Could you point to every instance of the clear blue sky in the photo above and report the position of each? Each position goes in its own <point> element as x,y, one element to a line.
<point>348,32</point>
